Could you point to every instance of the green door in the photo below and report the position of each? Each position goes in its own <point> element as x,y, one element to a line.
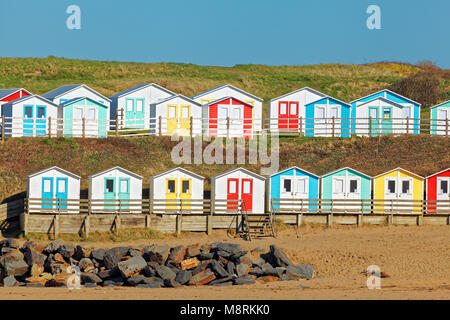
<point>386,120</point>
<point>130,115</point>
<point>374,120</point>
<point>124,192</point>
<point>110,193</point>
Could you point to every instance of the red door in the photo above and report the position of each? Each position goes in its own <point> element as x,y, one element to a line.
<point>288,115</point>
<point>232,193</point>
<point>247,194</point>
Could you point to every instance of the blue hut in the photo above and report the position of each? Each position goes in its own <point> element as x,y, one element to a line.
<point>292,184</point>
<point>327,117</point>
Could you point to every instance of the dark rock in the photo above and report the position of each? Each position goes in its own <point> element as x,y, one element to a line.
<point>244,280</point>
<point>300,272</point>
<point>256,272</point>
<point>66,250</point>
<point>135,280</point>
<point>223,253</point>
<point>98,254</point>
<point>87,277</point>
<point>53,246</point>
<point>231,248</point>
<point>205,248</point>
<point>183,276</point>
<point>116,282</point>
<point>112,258</point>
<point>35,285</point>
<point>108,273</point>
<point>81,252</point>
<point>6,250</point>
<point>32,256</point>
<point>242,269</point>
<point>279,257</point>
<point>205,256</point>
<point>158,254</point>
<point>149,271</point>
<point>231,267</point>
<point>86,265</point>
<point>266,266</point>
<point>202,278</point>
<point>9,243</point>
<point>157,282</point>
<point>171,283</point>
<point>90,285</point>
<point>13,263</point>
<point>132,266</point>
<point>192,250</point>
<point>134,252</point>
<point>177,255</point>
<point>276,272</point>
<point>218,269</point>
<point>201,267</point>
<point>10,281</point>
<point>165,272</point>
<point>258,250</point>
<point>222,284</point>
<point>235,257</point>
<point>218,281</point>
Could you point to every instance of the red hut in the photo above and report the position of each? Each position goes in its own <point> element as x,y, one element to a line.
<point>438,188</point>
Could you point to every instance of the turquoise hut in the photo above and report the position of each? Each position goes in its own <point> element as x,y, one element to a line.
<point>440,117</point>
<point>94,113</point>
<point>346,184</point>
<point>327,117</point>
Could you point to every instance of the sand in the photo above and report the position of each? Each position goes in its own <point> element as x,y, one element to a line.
<point>415,259</point>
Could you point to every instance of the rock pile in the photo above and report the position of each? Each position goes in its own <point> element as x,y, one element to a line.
<point>155,266</point>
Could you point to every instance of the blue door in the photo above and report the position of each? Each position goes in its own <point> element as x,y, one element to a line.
<point>28,121</point>
<point>61,192</point>
<point>47,192</point>
<point>41,120</point>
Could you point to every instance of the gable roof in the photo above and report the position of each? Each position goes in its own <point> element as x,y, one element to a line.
<point>346,168</point>
<point>435,174</point>
<point>177,96</point>
<point>139,87</point>
<point>55,93</point>
<point>226,86</point>
<point>179,169</point>
<point>440,104</point>
<point>238,169</point>
<point>4,93</point>
<point>29,97</point>
<point>65,103</point>
<point>58,169</point>
<point>331,98</point>
<point>381,98</point>
<point>294,167</point>
<point>116,168</point>
<point>399,169</point>
<point>386,90</point>
<point>298,90</point>
<point>225,98</point>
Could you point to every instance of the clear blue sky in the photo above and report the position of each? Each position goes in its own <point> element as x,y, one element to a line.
<point>229,32</point>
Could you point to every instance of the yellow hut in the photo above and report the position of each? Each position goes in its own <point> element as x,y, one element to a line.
<point>398,191</point>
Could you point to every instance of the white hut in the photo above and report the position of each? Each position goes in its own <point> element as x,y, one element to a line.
<point>72,91</point>
<point>237,184</point>
<point>59,189</point>
<point>114,186</point>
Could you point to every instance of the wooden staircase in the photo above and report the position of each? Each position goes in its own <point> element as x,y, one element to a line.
<point>257,226</point>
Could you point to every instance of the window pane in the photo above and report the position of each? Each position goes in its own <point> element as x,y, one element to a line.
<point>283,108</point>
<point>78,113</point>
<point>185,186</point>
<point>407,112</point>
<point>442,114</point>
<point>172,112</point>
<point>171,186</point>
<point>301,186</point>
<point>373,113</point>
<point>293,109</point>
<point>405,186</point>
<point>391,186</point>
<point>41,112</point>
<point>129,105</point>
<point>444,187</point>
<point>47,185</point>
<point>91,114</point>
<point>386,113</point>
<point>124,186</point>
<point>353,186</point>
<point>236,114</point>
<point>232,186</point>
<point>246,187</point>
<point>109,185</point>
<point>334,112</point>
<point>62,186</point>
<point>185,112</point>
<point>287,185</point>
<point>320,113</point>
<point>339,186</point>
<point>139,106</point>
<point>28,112</point>
<point>223,113</point>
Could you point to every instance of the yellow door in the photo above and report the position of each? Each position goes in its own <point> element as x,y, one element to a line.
<point>172,121</point>
<point>171,193</point>
<point>185,120</point>
<point>186,192</point>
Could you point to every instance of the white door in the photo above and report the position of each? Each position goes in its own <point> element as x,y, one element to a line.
<point>407,124</point>
<point>222,116</point>
<point>353,190</point>
<point>443,193</point>
<point>320,126</point>
<point>442,115</point>
<point>286,192</point>
<point>333,112</point>
<point>91,122</point>
<point>77,124</point>
<point>301,191</point>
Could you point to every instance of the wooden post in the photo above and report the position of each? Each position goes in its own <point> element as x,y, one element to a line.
<point>330,220</point>
<point>56,225</point>
<point>147,221</point>
<point>49,127</point>
<point>117,124</point>
<point>87,225</point>
<point>299,219</point>
<point>83,127</point>
<point>23,222</point>
<point>179,221</point>
<point>360,220</point>
<point>3,128</point>
<point>407,125</point>
<point>420,219</point>
<point>209,224</point>
<point>370,127</point>
<point>160,126</point>
<point>332,127</point>
<point>228,127</point>
<point>446,128</point>
<point>191,126</point>
<point>117,223</point>
<point>301,126</point>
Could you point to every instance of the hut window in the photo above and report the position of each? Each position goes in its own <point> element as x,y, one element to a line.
<point>391,186</point>
<point>353,186</point>
<point>287,185</point>
<point>124,186</point>
<point>129,105</point>
<point>320,113</point>
<point>407,112</point>
<point>47,185</point>
<point>41,112</point>
<point>246,188</point>
<point>185,112</point>
<point>91,114</point>
<point>339,186</point>
<point>373,113</point>
<point>293,109</point>
<point>386,113</point>
<point>172,112</point>
<point>405,187</point>
<point>171,186</point>
<point>232,186</point>
<point>28,112</point>
<point>109,185</point>
<point>442,114</point>
<point>444,187</point>
<point>185,186</point>
<point>78,114</point>
<point>140,106</point>
<point>283,108</point>
<point>62,186</point>
<point>301,186</point>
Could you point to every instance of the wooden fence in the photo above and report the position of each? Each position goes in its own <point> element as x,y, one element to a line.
<point>11,209</point>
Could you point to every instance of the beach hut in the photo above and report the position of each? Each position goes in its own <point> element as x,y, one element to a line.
<point>134,104</point>
<point>28,116</point>
<point>8,95</point>
<point>72,91</point>
<point>438,188</point>
<point>228,90</point>
<point>285,111</point>
<point>110,189</point>
<point>399,184</point>
<point>388,115</point>
<point>56,187</point>
<point>237,184</point>
<point>173,116</point>
<point>229,117</point>
<point>346,184</point>
<point>84,117</point>
<point>326,117</point>
<point>293,183</point>
<point>440,119</point>
<point>176,184</point>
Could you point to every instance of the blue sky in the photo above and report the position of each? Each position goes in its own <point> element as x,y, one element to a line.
<point>229,32</point>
